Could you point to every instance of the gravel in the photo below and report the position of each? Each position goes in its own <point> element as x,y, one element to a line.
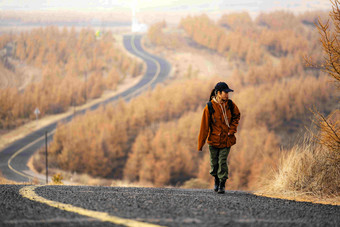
<point>161,206</point>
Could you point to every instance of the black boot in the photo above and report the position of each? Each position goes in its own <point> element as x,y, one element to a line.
<point>221,188</point>
<point>217,184</point>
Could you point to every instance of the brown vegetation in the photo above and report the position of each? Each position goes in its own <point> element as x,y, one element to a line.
<point>250,42</point>
<point>307,170</point>
<point>312,167</point>
<point>75,67</point>
<point>113,130</point>
<point>157,36</point>
<point>152,150</point>
<point>152,139</point>
<point>236,21</point>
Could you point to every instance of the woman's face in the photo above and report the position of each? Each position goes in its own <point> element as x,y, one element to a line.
<point>223,96</point>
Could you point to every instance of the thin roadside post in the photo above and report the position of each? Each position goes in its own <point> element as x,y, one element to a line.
<point>85,74</point>
<point>46,157</point>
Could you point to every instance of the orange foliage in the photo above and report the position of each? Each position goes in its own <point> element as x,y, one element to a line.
<point>277,20</point>
<point>234,45</point>
<point>75,66</point>
<point>236,21</point>
<point>4,39</point>
<point>110,132</point>
<point>312,166</point>
<point>157,36</point>
<point>73,151</point>
<point>158,130</point>
<point>282,35</point>
<point>254,155</point>
<point>311,17</point>
<point>286,67</point>
<point>283,42</point>
<point>276,104</point>
<point>167,155</point>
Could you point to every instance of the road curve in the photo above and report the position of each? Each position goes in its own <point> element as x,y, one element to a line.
<point>22,205</point>
<point>14,158</point>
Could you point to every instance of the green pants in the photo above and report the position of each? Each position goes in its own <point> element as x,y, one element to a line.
<point>218,162</point>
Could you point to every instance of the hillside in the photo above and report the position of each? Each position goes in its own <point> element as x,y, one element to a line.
<point>262,62</point>
<point>53,69</point>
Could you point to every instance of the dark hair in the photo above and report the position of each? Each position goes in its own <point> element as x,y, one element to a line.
<point>219,87</point>
<point>212,94</point>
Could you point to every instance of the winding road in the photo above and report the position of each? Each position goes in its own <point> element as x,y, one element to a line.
<point>14,158</point>
<point>46,205</point>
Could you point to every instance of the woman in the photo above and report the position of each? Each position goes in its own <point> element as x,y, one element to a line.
<point>219,124</point>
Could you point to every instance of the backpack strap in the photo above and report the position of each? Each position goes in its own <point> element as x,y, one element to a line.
<point>210,108</point>
<point>211,112</point>
<point>231,107</point>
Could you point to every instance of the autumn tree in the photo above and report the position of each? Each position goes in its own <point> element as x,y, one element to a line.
<point>158,36</point>
<point>277,20</point>
<point>273,90</point>
<point>236,21</point>
<point>330,126</point>
<point>110,133</point>
<point>74,66</point>
<point>319,152</point>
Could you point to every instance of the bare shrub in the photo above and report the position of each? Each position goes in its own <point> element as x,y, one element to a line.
<point>307,169</point>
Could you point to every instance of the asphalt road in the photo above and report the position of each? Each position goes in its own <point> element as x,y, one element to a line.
<point>14,158</point>
<point>112,206</point>
<point>22,205</point>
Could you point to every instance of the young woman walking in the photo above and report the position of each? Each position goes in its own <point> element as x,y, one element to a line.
<point>219,124</point>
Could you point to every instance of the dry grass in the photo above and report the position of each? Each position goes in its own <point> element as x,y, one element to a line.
<point>311,170</point>
<point>308,172</point>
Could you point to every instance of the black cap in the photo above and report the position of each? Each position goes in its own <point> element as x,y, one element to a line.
<point>221,86</point>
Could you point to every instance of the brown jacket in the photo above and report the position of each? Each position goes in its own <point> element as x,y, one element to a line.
<point>218,137</point>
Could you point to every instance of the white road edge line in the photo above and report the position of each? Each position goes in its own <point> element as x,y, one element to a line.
<point>51,133</point>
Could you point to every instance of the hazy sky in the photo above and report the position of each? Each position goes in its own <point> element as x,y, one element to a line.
<point>172,5</point>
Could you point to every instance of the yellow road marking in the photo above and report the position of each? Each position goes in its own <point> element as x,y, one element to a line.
<point>42,137</point>
<point>29,193</point>
<point>150,58</point>
<point>21,150</point>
